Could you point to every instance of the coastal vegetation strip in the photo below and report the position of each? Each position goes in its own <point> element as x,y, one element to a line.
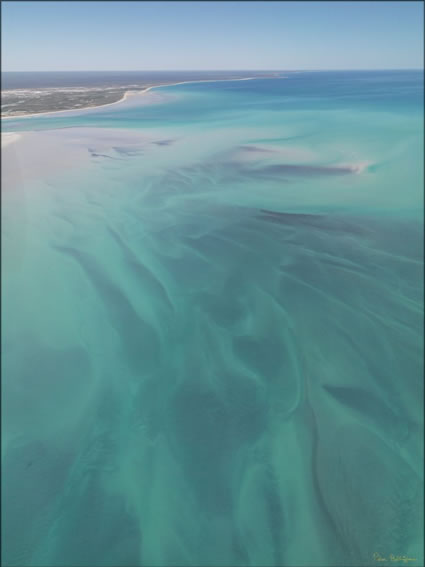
<point>28,102</point>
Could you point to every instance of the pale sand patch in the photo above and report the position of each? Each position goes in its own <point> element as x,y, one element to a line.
<point>359,167</point>
<point>43,154</point>
<point>37,155</point>
<point>8,138</point>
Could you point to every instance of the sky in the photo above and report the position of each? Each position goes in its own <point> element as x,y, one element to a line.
<point>117,35</point>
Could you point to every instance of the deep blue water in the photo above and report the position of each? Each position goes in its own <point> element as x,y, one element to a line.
<point>91,79</point>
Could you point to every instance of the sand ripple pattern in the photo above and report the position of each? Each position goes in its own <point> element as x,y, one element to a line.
<point>192,381</point>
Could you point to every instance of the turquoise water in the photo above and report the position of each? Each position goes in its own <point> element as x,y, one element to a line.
<point>213,335</point>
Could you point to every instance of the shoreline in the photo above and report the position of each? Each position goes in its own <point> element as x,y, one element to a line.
<point>126,95</point>
<point>48,113</point>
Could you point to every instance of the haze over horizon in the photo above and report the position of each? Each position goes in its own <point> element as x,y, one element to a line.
<point>211,36</point>
<point>206,70</point>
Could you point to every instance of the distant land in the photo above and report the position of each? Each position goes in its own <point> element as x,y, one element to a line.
<point>25,93</point>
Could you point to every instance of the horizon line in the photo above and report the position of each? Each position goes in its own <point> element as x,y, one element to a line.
<point>210,70</point>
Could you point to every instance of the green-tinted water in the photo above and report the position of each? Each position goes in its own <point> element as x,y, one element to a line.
<point>213,329</point>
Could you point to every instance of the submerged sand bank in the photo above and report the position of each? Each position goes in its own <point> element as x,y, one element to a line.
<point>41,155</point>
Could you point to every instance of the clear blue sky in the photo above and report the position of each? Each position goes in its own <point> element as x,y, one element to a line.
<point>64,36</point>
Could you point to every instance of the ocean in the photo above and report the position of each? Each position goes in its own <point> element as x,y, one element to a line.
<point>212,328</point>
<point>93,79</point>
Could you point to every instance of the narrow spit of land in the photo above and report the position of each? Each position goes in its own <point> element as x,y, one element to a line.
<point>22,102</point>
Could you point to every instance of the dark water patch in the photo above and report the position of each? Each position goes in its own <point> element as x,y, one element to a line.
<point>329,525</point>
<point>164,142</point>
<point>192,271</point>
<point>207,428</point>
<point>200,424</point>
<point>95,155</point>
<point>256,149</point>
<point>365,403</point>
<point>138,338</point>
<point>227,171</point>
<point>246,400</point>
<point>290,218</point>
<point>360,473</point>
<point>95,519</point>
<point>225,310</point>
<point>263,355</point>
<point>150,282</point>
<point>282,139</point>
<point>48,382</point>
<point>276,517</point>
<point>128,151</point>
<point>328,223</point>
<point>302,170</point>
<point>35,475</point>
<point>212,249</point>
<point>216,172</point>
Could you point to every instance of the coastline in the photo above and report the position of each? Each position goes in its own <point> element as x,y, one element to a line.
<point>125,96</point>
<point>34,115</point>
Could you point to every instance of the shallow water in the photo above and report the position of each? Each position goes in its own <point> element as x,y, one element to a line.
<point>213,327</point>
